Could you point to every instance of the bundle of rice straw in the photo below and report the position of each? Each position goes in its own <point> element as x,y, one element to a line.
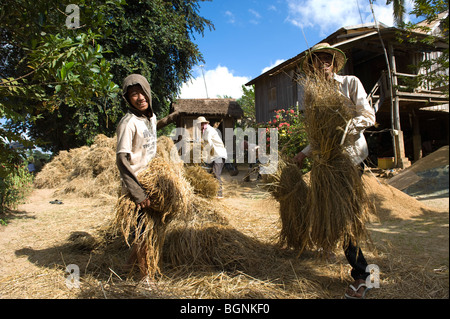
<point>170,195</point>
<point>291,191</point>
<point>166,149</point>
<point>337,201</point>
<point>204,183</point>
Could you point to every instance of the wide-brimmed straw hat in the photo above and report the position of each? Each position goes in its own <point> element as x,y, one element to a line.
<point>339,56</point>
<point>202,119</point>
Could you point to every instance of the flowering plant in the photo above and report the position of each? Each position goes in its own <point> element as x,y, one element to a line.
<point>291,133</point>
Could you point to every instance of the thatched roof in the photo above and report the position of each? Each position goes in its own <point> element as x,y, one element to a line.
<point>208,107</point>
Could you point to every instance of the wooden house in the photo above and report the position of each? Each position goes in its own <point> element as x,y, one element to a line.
<point>382,63</point>
<point>221,113</point>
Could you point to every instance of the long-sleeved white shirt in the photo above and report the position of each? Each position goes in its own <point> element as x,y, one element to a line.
<point>364,117</point>
<point>215,147</point>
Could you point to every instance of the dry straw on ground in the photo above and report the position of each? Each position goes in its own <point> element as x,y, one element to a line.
<point>206,257</point>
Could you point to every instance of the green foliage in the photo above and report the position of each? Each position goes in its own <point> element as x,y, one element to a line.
<point>61,85</point>
<point>49,70</point>
<point>399,10</point>
<point>154,38</point>
<point>437,68</point>
<point>15,187</point>
<point>247,103</point>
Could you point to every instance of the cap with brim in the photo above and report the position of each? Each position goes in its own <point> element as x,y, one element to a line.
<point>339,56</point>
<point>202,119</point>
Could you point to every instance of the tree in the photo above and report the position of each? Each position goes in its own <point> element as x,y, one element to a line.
<point>155,38</point>
<point>75,73</point>
<point>437,68</point>
<point>399,10</point>
<point>46,66</point>
<point>247,103</point>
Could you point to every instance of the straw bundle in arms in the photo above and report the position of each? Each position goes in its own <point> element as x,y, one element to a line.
<point>291,191</point>
<point>170,196</point>
<point>337,202</point>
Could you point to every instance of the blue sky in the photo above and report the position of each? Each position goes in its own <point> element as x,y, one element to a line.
<point>251,36</point>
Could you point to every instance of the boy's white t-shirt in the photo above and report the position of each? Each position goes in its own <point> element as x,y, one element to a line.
<point>137,136</point>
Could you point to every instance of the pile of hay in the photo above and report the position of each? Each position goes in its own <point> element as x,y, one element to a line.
<point>334,209</point>
<point>206,241</point>
<point>204,183</point>
<point>85,171</point>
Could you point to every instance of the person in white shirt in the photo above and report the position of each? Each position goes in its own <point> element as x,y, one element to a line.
<point>327,61</point>
<point>215,149</point>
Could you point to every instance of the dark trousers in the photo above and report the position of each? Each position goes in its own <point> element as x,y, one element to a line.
<point>355,255</point>
<point>356,259</point>
<point>217,167</point>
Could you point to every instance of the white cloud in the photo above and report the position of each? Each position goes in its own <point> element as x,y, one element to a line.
<point>230,16</point>
<point>277,62</point>
<point>256,16</point>
<point>255,13</point>
<point>219,82</point>
<point>329,16</point>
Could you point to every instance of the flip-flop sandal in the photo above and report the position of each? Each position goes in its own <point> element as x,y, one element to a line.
<point>347,296</point>
<point>56,202</point>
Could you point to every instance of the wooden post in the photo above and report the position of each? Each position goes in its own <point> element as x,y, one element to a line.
<point>417,139</point>
<point>402,160</point>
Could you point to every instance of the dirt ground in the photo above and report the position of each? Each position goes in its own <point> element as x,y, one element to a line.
<point>410,247</point>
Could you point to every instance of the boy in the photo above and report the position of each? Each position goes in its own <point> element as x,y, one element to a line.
<point>136,146</point>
